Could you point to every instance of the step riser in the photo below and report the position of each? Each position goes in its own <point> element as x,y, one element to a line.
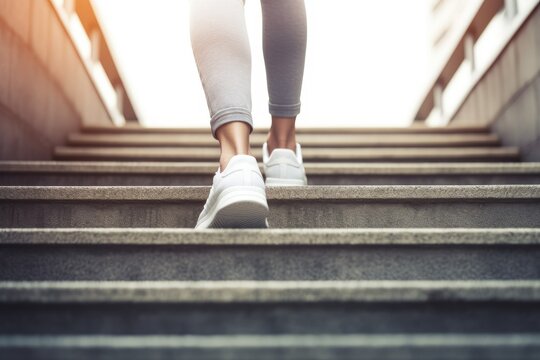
<point>305,144</point>
<point>310,262</point>
<point>180,156</point>
<point>300,131</point>
<point>405,352</point>
<point>46,179</point>
<point>276,318</point>
<point>451,213</point>
<point>328,141</point>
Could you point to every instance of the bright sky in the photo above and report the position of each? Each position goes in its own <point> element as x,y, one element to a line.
<point>367,61</point>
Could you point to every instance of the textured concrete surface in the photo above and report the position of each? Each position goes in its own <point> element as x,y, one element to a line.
<point>304,193</point>
<point>342,207</point>
<point>458,129</point>
<point>144,254</point>
<point>268,291</point>
<point>184,179</point>
<point>313,318</point>
<point>297,347</point>
<point>53,173</point>
<point>290,214</point>
<point>307,140</point>
<point>270,237</point>
<point>382,292</point>
<point>202,168</point>
<point>462,154</point>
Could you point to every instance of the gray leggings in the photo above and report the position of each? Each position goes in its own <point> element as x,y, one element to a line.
<point>223,56</point>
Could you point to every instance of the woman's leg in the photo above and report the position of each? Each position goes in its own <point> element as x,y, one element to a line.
<point>223,56</point>
<point>284,44</point>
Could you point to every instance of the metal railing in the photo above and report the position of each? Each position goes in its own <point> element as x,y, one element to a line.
<point>101,53</point>
<point>463,50</point>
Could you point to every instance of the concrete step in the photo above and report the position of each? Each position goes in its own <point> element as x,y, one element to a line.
<point>340,254</point>
<point>267,308</point>
<point>64,173</point>
<point>271,347</point>
<point>137,129</point>
<point>498,206</point>
<point>307,140</point>
<point>464,154</point>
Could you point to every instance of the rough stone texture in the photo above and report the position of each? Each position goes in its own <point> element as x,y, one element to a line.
<point>488,193</point>
<point>177,292</point>
<point>319,207</point>
<point>295,214</point>
<point>262,255</point>
<point>329,141</point>
<point>463,154</point>
<point>387,317</point>
<point>270,237</point>
<point>286,347</point>
<point>164,179</point>
<point>173,174</point>
<point>334,285</point>
<point>416,129</point>
<point>202,168</point>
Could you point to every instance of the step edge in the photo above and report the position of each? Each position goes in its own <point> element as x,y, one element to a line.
<point>272,237</point>
<point>268,291</point>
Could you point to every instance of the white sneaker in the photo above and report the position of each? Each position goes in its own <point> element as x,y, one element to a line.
<point>284,167</point>
<point>237,198</point>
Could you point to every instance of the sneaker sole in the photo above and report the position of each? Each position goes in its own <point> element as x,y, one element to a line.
<point>240,207</point>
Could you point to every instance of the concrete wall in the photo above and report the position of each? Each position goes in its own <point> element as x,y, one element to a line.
<point>508,97</point>
<point>45,90</point>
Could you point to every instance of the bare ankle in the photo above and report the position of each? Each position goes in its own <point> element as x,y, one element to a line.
<point>282,134</point>
<point>233,140</point>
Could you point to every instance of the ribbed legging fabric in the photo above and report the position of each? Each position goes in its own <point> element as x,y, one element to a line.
<point>222,52</point>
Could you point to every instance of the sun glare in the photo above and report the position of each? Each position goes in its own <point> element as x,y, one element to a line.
<point>366,61</point>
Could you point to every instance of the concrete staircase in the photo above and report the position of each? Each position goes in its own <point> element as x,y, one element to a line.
<point>414,243</point>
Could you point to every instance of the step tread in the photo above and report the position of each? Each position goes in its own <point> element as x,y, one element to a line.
<point>315,193</point>
<point>272,341</point>
<point>267,291</point>
<point>307,140</point>
<point>300,130</point>
<point>270,237</point>
<point>206,153</point>
<point>93,167</point>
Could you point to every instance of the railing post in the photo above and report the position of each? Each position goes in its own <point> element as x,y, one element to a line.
<point>120,94</point>
<point>438,99</point>
<point>69,7</point>
<point>95,41</point>
<point>511,8</point>
<point>469,51</point>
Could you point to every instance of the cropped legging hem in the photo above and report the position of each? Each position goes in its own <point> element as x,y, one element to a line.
<point>228,115</point>
<point>222,53</point>
<point>284,110</point>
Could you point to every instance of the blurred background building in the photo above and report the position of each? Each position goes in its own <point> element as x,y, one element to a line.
<point>485,62</point>
<point>65,64</point>
<point>444,22</point>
